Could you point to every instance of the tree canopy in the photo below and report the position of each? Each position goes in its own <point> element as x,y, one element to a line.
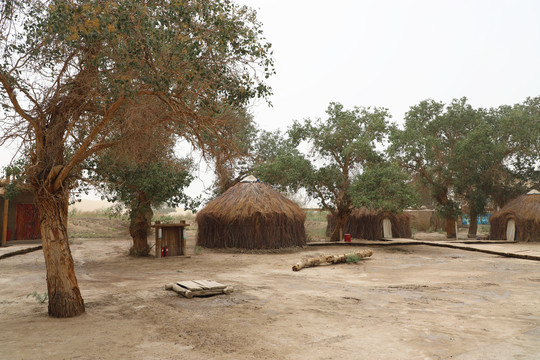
<point>384,186</point>
<point>70,68</point>
<point>467,156</point>
<point>143,173</point>
<point>340,147</point>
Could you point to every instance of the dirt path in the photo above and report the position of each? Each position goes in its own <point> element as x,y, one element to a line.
<point>415,302</point>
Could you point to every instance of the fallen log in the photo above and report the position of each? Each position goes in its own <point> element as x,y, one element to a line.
<point>331,259</point>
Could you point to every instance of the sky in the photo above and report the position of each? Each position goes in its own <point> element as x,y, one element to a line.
<point>392,54</point>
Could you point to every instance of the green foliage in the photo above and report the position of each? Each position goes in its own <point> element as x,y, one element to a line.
<point>115,212</point>
<point>197,250</point>
<point>39,298</point>
<point>159,182</point>
<point>151,40</point>
<point>468,156</point>
<point>352,258</point>
<point>279,162</point>
<point>81,66</point>
<point>429,144</point>
<point>82,76</point>
<point>316,215</point>
<point>342,144</point>
<point>385,187</point>
<point>15,172</point>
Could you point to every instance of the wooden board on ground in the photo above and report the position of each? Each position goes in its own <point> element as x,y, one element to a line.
<point>191,288</point>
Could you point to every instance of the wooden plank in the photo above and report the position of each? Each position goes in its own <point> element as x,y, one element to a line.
<point>22,251</point>
<point>205,285</point>
<point>209,284</point>
<point>207,292</point>
<point>190,285</point>
<point>187,288</point>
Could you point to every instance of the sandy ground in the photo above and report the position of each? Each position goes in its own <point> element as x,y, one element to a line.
<point>405,302</point>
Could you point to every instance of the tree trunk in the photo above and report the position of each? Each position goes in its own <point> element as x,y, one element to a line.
<point>65,298</point>
<point>140,221</point>
<point>450,227</point>
<point>331,259</point>
<point>473,225</point>
<point>341,222</point>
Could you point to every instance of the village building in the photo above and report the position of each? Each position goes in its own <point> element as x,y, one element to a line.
<point>18,215</point>
<point>371,225</point>
<point>519,220</point>
<point>251,215</point>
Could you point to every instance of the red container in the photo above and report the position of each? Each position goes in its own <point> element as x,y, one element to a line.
<point>347,237</point>
<point>166,251</point>
<point>162,251</point>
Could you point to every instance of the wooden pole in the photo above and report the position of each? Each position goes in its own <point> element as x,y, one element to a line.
<point>158,239</point>
<point>5,218</point>
<point>182,241</point>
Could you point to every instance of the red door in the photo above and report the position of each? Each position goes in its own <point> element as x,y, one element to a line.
<point>27,222</point>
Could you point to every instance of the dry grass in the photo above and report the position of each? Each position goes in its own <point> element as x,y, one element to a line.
<point>316,224</point>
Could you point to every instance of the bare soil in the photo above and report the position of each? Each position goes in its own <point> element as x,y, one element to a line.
<point>405,302</point>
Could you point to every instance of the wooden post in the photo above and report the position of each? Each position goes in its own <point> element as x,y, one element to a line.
<point>158,239</point>
<point>5,218</point>
<point>182,241</point>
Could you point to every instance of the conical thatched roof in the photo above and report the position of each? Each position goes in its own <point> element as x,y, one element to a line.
<point>251,215</point>
<point>367,224</point>
<point>525,211</point>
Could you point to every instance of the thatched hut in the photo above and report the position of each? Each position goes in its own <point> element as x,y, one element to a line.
<point>519,220</point>
<point>370,225</point>
<point>251,215</point>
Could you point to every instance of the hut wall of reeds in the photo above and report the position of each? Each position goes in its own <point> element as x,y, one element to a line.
<point>251,215</point>
<point>366,224</point>
<point>525,211</point>
<point>425,220</point>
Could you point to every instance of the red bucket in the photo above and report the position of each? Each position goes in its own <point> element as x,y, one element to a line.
<point>347,237</point>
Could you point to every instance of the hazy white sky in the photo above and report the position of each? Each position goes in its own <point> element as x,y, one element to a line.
<point>394,53</point>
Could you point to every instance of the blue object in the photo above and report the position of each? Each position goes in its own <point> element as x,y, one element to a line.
<point>482,219</point>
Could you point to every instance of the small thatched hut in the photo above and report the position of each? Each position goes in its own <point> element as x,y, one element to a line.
<point>366,224</point>
<point>519,220</point>
<point>251,215</point>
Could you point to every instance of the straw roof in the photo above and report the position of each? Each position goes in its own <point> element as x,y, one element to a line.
<point>251,215</point>
<point>366,224</point>
<point>525,211</point>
